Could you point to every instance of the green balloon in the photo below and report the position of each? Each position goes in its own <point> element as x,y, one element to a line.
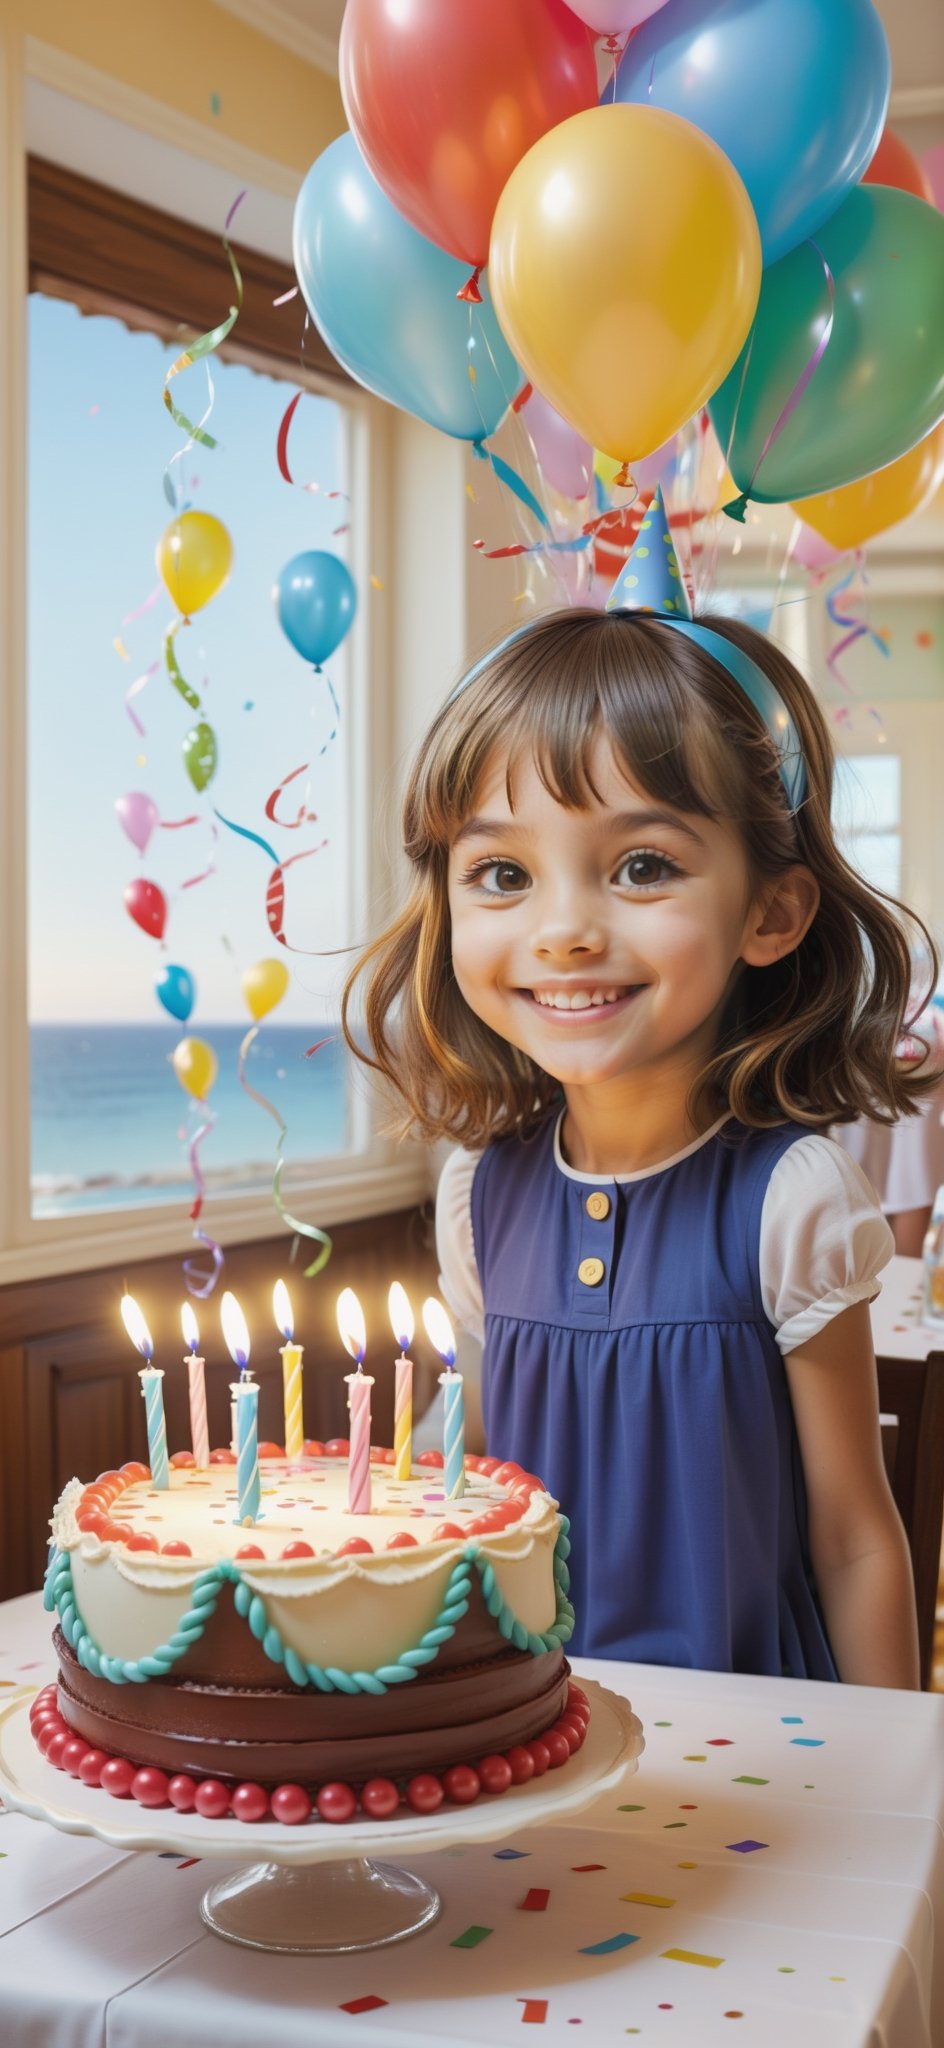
<point>199,751</point>
<point>879,386</point>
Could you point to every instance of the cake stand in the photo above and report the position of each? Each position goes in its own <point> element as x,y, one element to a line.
<point>318,1889</point>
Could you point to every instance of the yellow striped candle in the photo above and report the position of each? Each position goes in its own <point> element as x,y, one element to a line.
<point>401,1317</point>
<point>291,1356</point>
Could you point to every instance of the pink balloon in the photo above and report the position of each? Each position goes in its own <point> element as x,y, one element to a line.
<point>614,17</point>
<point>565,458</point>
<point>812,551</point>
<point>932,163</point>
<point>137,815</point>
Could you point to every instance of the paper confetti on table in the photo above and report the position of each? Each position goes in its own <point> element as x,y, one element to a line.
<point>746,1847</point>
<point>472,1937</point>
<point>534,1901</point>
<point>645,1899</point>
<point>630,1809</point>
<point>581,1867</point>
<point>694,1759</point>
<point>505,1855</point>
<point>807,1741</point>
<point>690,1955</point>
<point>369,2004</point>
<point>719,1742</point>
<point>535,2011</point>
<point>609,1948</point>
<point>792,1719</point>
<point>745,1780</point>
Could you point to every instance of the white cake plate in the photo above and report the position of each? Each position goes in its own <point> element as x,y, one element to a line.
<point>319,1889</point>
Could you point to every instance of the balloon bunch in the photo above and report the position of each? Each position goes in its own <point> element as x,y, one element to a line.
<point>648,255</point>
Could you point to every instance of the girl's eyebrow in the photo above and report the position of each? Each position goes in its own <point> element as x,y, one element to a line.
<point>618,821</point>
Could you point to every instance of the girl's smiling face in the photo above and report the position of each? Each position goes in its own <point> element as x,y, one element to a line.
<point>602,941</point>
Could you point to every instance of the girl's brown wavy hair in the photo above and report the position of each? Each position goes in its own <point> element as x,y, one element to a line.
<point>811,1038</point>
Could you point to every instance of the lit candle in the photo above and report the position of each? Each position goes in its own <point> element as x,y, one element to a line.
<point>199,1435</point>
<point>151,1387</point>
<point>291,1356</point>
<point>439,1332</point>
<point>359,1383</point>
<point>245,1395</point>
<point>401,1316</point>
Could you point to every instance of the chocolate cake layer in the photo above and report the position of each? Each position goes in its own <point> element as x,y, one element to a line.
<point>273,1733</point>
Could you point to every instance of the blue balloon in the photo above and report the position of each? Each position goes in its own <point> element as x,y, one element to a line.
<point>315,599</point>
<point>794,91</point>
<point>385,300</point>
<point>175,988</point>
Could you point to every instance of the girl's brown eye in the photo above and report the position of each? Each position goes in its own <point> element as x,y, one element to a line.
<point>645,870</point>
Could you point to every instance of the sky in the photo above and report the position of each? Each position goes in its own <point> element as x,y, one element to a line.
<point>99,441</point>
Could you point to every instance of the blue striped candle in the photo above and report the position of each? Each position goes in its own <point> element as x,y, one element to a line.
<point>151,1378</point>
<point>246,1395</point>
<point>453,1434</point>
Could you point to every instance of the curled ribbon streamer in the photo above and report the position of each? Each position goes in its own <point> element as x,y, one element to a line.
<point>177,824</point>
<point>738,506</point>
<point>263,1101</point>
<point>568,547</point>
<point>508,476</point>
<point>281,450</point>
<point>244,833</point>
<point>301,1229</point>
<point>275,898</point>
<point>857,629</point>
<point>205,873</point>
<point>302,816</point>
<point>192,1272</point>
<point>207,342</point>
<point>135,691</point>
<point>172,666</point>
<point>169,486</point>
<point>149,602</point>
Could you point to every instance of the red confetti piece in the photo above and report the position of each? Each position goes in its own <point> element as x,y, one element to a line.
<point>302,815</point>
<point>534,1901</point>
<point>535,2011</point>
<point>369,2004</point>
<point>580,1867</point>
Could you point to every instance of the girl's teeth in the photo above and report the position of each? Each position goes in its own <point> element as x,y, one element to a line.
<point>580,1000</point>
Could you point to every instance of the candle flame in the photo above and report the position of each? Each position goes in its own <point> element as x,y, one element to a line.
<point>282,1310</point>
<point>136,1326</point>
<point>188,1324</point>
<point>235,1333</point>
<point>401,1315</point>
<point>439,1329</point>
<point>351,1324</point>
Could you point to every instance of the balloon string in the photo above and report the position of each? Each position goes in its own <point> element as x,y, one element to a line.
<point>193,1273</point>
<point>205,873</point>
<point>301,1229</point>
<point>737,507</point>
<point>172,666</point>
<point>206,344</point>
<point>263,1101</point>
<point>135,691</point>
<point>199,1282</point>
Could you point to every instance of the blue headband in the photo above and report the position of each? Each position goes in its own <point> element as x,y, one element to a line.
<point>651,581</point>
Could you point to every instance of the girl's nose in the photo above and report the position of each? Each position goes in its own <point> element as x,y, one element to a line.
<point>568,927</point>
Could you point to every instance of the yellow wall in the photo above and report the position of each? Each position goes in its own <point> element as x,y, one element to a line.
<point>191,54</point>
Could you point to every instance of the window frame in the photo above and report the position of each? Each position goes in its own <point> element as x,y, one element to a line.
<point>72,237</point>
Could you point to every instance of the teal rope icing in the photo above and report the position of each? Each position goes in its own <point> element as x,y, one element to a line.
<point>59,1593</point>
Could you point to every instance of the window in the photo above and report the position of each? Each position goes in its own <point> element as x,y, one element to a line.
<point>867,817</point>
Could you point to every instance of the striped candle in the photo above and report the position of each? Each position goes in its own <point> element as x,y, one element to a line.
<point>453,1434</point>
<point>245,1393</point>
<point>401,1317</point>
<point>152,1389</point>
<point>359,1384</point>
<point>199,1434</point>
<point>291,1356</point>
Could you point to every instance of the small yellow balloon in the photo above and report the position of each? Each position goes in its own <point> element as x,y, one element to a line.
<point>194,556</point>
<point>625,267</point>
<point>194,1064</point>
<point>849,517</point>
<point>264,985</point>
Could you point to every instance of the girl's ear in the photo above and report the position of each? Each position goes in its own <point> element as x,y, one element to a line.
<point>780,917</point>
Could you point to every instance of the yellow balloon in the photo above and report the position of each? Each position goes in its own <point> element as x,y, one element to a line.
<point>194,1064</point>
<point>849,517</point>
<point>264,985</point>
<point>194,556</point>
<point>606,468</point>
<point>625,268</point>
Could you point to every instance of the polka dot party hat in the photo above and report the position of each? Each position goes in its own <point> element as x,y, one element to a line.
<point>651,580</point>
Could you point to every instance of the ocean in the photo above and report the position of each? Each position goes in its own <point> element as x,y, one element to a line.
<point>110,1123</point>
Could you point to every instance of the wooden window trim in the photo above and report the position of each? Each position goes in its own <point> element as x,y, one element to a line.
<point>110,253</point>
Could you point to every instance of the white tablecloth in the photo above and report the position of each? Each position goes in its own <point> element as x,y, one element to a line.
<point>897,1328</point>
<point>796,1902</point>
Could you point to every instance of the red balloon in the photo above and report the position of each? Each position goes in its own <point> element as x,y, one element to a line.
<point>894,164</point>
<point>147,904</point>
<point>445,100</point>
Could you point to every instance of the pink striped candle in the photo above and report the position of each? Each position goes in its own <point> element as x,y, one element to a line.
<point>359,1383</point>
<point>199,1433</point>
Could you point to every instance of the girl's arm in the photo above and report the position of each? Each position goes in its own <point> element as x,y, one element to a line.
<point>858,1545</point>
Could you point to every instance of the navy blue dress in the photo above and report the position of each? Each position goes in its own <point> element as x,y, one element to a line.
<point>629,1361</point>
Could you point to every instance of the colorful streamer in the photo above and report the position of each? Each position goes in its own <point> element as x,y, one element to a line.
<point>199,1282</point>
<point>263,1100</point>
<point>179,680</point>
<point>205,346</point>
<point>301,1229</point>
<point>135,691</point>
<point>275,896</point>
<point>852,629</point>
<point>302,815</point>
<point>281,451</point>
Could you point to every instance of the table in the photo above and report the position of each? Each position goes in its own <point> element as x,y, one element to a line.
<point>897,1329</point>
<point>796,1902</point>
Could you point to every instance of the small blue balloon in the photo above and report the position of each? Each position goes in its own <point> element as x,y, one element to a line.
<point>175,988</point>
<point>794,91</point>
<point>315,599</point>
<point>385,300</point>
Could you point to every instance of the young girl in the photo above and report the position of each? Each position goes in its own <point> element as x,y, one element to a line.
<point>637,981</point>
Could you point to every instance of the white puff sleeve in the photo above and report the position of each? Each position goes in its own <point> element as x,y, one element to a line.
<point>459,1278</point>
<point>823,1239</point>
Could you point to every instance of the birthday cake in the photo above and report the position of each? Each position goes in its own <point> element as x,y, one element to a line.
<point>318,1654</point>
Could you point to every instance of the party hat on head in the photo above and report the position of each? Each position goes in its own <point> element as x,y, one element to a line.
<point>651,580</point>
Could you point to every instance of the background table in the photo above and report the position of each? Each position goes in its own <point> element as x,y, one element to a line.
<point>772,1875</point>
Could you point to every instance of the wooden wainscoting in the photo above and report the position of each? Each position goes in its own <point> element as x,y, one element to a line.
<point>70,1400</point>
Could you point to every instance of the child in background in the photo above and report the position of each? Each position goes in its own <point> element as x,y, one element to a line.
<point>636,981</point>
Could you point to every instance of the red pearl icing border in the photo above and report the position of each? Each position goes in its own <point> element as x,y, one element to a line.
<point>93,1510</point>
<point>379,1798</point>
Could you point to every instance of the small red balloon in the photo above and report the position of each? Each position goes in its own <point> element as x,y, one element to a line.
<point>291,1805</point>
<point>462,1784</point>
<point>250,1802</point>
<point>380,1798</point>
<point>211,1798</point>
<point>150,1787</point>
<point>336,1802</point>
<point>117,1777</point>
<point>147,904</point>
<point>424,1793</point>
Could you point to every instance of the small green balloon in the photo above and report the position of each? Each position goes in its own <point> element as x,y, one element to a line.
<point>200,756</point>
<point>879,387</point>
